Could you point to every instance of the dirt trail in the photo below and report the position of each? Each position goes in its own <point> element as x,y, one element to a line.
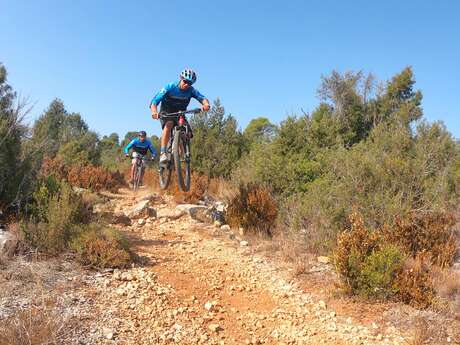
<point>198,287</point>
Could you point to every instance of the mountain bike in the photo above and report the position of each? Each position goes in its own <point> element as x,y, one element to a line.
<point>178,151</point>
<point>138,169</point>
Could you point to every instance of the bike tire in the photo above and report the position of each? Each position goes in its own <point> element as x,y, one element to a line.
<point>164,173</point>
<point>137,177</point>
<point>183,176</point>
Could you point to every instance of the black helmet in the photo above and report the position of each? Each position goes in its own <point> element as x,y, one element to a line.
<point>142,134</point>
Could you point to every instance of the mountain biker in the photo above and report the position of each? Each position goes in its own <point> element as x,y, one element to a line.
<point>175,97</point>
<point>140,146</point>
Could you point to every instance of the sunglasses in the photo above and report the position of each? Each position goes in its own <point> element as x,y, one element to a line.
<point>188,82</point>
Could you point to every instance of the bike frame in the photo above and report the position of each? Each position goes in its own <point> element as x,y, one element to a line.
<point>181,125</point>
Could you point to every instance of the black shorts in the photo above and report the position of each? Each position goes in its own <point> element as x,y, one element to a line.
<point>174,119</point>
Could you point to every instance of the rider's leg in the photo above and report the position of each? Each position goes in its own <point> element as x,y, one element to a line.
<point>165,139</point>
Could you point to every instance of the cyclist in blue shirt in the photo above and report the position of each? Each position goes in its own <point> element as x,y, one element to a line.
<point>175,97</point>
<point>140,146</point>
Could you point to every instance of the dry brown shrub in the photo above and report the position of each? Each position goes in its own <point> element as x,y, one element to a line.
<point>253,208</point>
<point>90,177</point>
<point>36,325</point>
<point>415,283</point>
<point>198,188</point>
<point>357,242</point>
<point>430,233</point>
<point>421,331</point>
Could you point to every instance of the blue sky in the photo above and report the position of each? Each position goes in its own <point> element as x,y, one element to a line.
<point>106,59</point>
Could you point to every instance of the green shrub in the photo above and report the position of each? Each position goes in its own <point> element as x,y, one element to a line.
<point>379,271</point>
<point>101,247</point>
<point>56,212</point>
<point>372,264</point>
<point>367,265</point>
<point>253,208</point>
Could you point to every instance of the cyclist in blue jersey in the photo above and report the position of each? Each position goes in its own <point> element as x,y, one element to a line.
<point>175,97</point>
<point>140,146</point>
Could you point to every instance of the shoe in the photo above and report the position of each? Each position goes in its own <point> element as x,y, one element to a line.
<point>163,158</point>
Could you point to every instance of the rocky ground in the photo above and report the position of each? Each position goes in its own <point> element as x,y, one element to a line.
<point>200,283</point>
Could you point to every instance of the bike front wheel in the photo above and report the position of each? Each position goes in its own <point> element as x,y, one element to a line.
<point>181,153</point>
<point>137,177</point>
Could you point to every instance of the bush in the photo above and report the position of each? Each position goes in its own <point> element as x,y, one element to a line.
<point>379,271</point>
<point>367,266</point>
<point>101,247</point>
<point>56,211</point>
<point>253,208</point>
<point>415,283</point>
<point>374,263</point>
<point>430,233</point>
<point>87,176</point>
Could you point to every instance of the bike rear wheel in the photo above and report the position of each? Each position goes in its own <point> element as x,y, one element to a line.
<point>181,151</point>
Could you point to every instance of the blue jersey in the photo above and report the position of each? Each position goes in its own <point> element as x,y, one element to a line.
<point>141,147</point>
<point>173,99</point>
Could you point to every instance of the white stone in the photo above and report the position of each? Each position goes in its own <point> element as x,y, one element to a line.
<point>323,259</point>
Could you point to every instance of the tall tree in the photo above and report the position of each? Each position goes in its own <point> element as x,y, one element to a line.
<point>217,143</point>
<point>259,130</point>
<point>12,164</point>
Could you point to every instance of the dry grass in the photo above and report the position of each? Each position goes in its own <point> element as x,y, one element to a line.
<point>37,325</point>
<point>221,189</point>
<point>422,332</point>
<point>447,284</point>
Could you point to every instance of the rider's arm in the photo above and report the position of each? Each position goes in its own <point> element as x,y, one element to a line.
<point>152,149</point>
<point>159,97</point>
<point>161,94</point>
<point>200,98</point>
<point>154,110</point>
<point>128,147</point>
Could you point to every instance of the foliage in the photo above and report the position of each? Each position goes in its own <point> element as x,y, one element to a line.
<point>57,132</point>
<point>252,208</point>
<point>217,142</point>
<point>14,166</point>
<point>259,130</point>
<point>55,213</point>
<point>393,262</point>
<point>101,247</point>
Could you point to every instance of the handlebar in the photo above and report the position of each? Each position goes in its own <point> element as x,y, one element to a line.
<point>183,112</point>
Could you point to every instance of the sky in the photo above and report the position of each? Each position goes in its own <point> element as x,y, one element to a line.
<point>106,59</point>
